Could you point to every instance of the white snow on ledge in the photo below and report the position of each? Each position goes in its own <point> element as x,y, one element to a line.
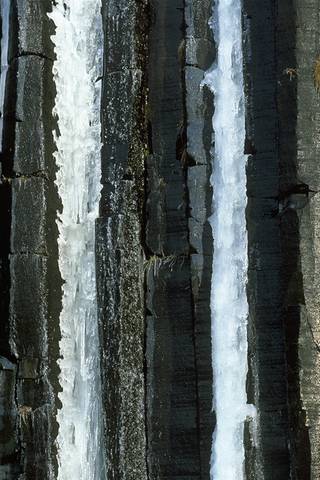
<point>78,49</point>
<point>229,306</point>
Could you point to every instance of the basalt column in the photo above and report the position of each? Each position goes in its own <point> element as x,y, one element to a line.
<point>178,242</point>
<point>119,250</point>
<point>283,180</point>
<point>30,310</point>
<point>307,81</point>
<point>268,455</point>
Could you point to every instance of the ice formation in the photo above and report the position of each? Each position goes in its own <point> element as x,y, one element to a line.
<point>229,307</point>
<point>78,49</point>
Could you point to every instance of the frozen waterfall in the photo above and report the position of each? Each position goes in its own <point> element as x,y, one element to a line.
<point>229,308</point>
<point>78,48</point>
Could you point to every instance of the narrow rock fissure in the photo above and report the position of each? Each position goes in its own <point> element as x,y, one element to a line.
<point>30,54</point>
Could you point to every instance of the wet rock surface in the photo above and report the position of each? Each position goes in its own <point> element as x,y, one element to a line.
<point>267,387</point>
<point>307,165</point>
<point>153,231</point>
<point>154,243</point>
<point>30,251</point>
<point>179,242</point>
<point>119,252</point>
<point>281,56</point>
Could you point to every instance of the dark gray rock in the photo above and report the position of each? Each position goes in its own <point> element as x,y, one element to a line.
<point>119,253</point>
<point>31,29</point>
<point>32,75</point>
<point>121,39</point>
<point>200,53</point>
<point>267,382</point>
<point>30,249</point>
<point>29,202</point>
<point>178,204</point>
<point>120,276</point>
<point>308,172</point>
<point>10,467</point>
<point>173,437</point>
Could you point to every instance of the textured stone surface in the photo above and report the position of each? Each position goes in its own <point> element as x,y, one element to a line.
<point>29,205</point>
<point>200,55</point>
<point>9,467</point>
<point>282,138</point>
<point>267,383</point>
<point>171,389</point>
<point>118,240</point>
<point>31,29</point>
<point>33,76</point>
<point>179,243</point>
<point>308,171</point>
<point>30,249</point>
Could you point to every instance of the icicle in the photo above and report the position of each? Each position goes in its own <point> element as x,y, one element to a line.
<point>229,307</point>
<point>78,45</point>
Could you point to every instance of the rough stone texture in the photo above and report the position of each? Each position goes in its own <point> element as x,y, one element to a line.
<point>119,252</point>
<point>30,29</point>
<point>283,140</point>
<point>120,298</point>
<point>33,74</point>
<point>200,55</point>
<point>29,201</point>
<point>31,246</point>
<point>9,466</point>
<point>267,382</point>
<point>173,442</point>
<point>172,416</point>
<point>179,242</point>
<point>308,171</point>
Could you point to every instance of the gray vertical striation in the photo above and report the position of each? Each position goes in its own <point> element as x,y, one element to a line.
<point>178,242</point>
<point>308,172</point>
<point>199,57</point>
<point>119,252</point>
<point>283,138</point>
<point>35,281</point>
<point>268,455</point>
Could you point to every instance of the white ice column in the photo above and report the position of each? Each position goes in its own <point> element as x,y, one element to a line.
<point>78,49</point>
<point>229,307</point>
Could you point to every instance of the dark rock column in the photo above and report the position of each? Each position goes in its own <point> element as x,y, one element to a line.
<point>308,172</point>
<point>28,174</point>
<point>179,242</point>
<point>172,416</point>
<point>120,276</point>
<point>199,57</point>
<point>287,45</point>
<point>268,455</point>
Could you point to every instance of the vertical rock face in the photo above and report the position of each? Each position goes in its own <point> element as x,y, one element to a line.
<point>267,387</point>
<point>199,56</point>
<point>307,166</point>
<point>173,435</point>
<point>119,248</point>
<point>32,314</point>
<point>154,244</point>
<point>153,233</point>
<point>179,242</point>
<point>282,141</point>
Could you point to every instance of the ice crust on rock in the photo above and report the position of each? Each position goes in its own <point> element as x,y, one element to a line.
<point>78,48</point>
<point>229,306</point>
